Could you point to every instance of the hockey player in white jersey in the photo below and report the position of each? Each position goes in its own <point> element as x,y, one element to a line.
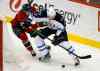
<point>56,25</point>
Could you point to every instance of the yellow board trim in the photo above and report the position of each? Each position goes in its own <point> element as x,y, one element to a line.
<point>83,40</point>
<point>8,19</point>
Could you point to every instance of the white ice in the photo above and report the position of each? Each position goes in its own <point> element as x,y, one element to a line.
<point>17,58</point>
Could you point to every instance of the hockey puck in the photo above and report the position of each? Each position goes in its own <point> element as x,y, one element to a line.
<point>63,66</point>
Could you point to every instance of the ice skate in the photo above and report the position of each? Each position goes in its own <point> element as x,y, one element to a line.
<point>76,61</point>
<point>33,53</point>
<point>45,58</point>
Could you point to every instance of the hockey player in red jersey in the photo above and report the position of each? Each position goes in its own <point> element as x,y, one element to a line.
<point>21,24</point>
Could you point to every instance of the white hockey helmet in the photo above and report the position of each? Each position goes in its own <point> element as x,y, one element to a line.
<point>51,13</point>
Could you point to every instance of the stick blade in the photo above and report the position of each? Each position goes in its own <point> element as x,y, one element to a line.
<point>85,57</point>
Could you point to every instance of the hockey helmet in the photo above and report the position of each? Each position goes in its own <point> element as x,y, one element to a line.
<point>25,7</point>
<point>51,13</point>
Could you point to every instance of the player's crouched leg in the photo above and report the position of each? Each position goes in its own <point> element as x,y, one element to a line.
<point>44,50</point>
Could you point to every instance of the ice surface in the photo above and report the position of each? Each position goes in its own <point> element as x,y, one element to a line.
<point>17,58</point>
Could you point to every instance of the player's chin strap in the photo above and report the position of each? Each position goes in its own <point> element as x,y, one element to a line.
<point>80,57</point>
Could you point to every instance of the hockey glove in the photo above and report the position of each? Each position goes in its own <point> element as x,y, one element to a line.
<point>34,33</point>
<point>56,40</point>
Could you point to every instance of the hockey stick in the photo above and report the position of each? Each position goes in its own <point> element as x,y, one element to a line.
<point>80,57</point>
